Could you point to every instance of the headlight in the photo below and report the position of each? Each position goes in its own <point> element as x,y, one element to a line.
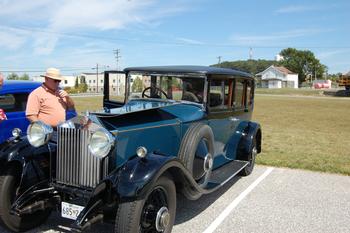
<point>16,132</point>
<point>39,133</point>
<point>101,143</point>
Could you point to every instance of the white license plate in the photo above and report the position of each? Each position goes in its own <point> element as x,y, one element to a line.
<point>70,211</point>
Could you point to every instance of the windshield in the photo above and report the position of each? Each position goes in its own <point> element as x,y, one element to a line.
<point>166,87</point>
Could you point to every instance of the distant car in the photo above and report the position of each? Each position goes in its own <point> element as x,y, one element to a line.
<point>13,101</point>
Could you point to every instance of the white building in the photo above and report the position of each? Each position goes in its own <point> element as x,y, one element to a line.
<point>95,82</point>
<point>69,81</point>
<point>278,77</point>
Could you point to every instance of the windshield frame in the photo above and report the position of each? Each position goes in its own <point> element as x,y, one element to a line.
<point>165,74</point>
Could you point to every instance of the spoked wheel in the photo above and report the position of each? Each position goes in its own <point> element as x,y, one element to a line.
<point>155,213</point>
<point>251,159</point>
<point>9,183</point>
<point>197,151</point>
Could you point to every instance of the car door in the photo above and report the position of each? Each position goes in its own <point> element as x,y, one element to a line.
<point>13,106</point>
<point>220,117</point>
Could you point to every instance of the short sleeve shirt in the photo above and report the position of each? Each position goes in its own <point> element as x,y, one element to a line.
<point>47,105</point>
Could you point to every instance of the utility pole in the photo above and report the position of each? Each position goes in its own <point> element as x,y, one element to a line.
<point>117,56</point>
<point>250,53</point>
<point>97,76</point>
<point>219,57</point>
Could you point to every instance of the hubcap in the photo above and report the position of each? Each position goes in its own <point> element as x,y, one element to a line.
<point>208,162</point>
<point>163,219</point>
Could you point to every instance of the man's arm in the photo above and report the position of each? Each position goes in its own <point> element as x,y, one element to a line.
<point>32,109</point>
<point>70,103</point>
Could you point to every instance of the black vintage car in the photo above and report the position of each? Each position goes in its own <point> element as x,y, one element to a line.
<point>163,131</point>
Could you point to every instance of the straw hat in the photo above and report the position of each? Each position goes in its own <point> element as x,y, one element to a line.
<point>53,73</point>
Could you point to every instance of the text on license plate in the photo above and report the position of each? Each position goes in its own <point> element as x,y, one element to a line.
<point>70,211</point>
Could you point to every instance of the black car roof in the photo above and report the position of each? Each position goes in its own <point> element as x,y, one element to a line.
<point>190,69</point>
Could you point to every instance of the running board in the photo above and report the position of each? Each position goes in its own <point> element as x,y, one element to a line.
<point>225,173</point>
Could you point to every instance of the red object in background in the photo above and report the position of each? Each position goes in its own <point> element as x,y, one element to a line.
<point>2,115</point>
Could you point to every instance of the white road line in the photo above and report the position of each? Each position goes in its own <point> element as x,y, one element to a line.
<point>235,202</point>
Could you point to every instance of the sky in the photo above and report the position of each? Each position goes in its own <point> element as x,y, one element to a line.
<point>75,36</point>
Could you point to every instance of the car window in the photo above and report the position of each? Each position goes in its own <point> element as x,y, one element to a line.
<point>13,102</point>
<point>220,94</point>
<point>239,94</point>
<point>116,87</point>
<point>166,87</point>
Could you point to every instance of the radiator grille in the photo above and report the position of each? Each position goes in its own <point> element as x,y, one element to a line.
<point>75,165</point>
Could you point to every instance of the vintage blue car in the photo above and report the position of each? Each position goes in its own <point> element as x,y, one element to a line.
<point>13,101</point>
<point>163,131</point>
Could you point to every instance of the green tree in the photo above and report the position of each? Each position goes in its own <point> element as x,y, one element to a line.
<point>302,62</point>
<point>24,77</point>
<point>13,76</point>
<point>137,85</point>
<point>250,66</point>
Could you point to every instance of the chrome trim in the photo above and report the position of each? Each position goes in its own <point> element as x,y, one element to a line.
<point>75,165</point>
<point>149,127</point>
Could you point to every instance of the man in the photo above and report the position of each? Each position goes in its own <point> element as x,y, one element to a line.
<point>1,80</point>
<point>48,103</point>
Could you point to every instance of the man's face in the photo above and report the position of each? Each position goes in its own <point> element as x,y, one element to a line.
<point>52,83</point>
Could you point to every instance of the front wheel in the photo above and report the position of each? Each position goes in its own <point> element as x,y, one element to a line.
<point>155,213</point>
<point>9,183</point>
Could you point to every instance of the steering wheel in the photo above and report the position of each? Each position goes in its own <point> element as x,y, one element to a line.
<point>154,88</point>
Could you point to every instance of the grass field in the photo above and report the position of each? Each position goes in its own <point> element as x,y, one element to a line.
<point>290,91</point>
<point>305,133</point>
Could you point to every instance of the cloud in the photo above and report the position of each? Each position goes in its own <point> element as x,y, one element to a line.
<point>189,41</point>
<point>11,38</point>
<point>50,21</point>
<point>274,38</point>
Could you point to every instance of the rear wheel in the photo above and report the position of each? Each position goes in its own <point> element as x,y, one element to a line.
<point>9,183</point>
<point>251,159</point>
<point>155,213</point>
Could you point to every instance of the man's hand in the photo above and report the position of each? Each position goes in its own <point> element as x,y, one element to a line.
<point>62,93</point>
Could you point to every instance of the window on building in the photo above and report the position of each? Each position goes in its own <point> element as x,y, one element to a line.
<point>65,81</point>
<point>94,81</point>
<point>113,80</point>
<point>101,81</point>
<point>89,81</point>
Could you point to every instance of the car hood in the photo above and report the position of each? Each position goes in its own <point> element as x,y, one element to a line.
<point>141,113</point>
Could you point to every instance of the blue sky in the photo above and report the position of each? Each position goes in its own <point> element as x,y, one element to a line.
<point>75,35</point>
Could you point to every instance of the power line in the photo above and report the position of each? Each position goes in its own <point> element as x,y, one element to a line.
<point>171,43</point>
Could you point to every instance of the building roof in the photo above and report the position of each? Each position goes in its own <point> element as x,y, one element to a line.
<point>280,69</point>
<point>189,69</point>
<point>284,70</point>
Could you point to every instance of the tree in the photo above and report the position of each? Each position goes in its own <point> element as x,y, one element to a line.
<point>24,77</point>
<point>13,76</point>
<point>137,85</point>
<point>302,62</point>
<point>250,66</point>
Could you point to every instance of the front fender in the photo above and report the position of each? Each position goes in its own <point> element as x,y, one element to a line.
<point>138,175</point>
<point>34,162</point>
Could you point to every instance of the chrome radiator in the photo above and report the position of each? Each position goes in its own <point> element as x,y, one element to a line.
<point>75,165</point>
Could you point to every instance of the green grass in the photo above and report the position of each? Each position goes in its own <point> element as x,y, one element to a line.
<point>304,133</point>
<point>290,91</point>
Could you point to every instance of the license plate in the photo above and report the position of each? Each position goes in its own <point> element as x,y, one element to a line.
<point>70,211</point>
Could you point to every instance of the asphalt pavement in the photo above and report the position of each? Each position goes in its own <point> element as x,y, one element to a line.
<point>269,200</point>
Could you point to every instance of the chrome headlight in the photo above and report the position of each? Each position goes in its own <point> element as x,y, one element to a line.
<point>101,143</point>
<point>39,133</point>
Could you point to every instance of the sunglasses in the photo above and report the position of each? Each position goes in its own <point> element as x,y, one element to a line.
<point>57,81</point>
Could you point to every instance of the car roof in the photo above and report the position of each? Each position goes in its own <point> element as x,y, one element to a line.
<point>11,86</point>
<point>206,70</point>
